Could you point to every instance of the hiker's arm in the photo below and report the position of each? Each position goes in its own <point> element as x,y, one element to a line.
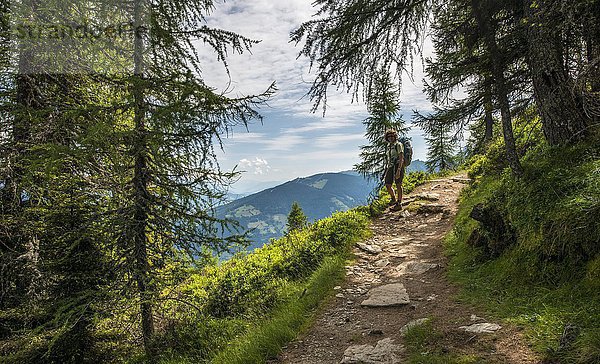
<point>400,165</point>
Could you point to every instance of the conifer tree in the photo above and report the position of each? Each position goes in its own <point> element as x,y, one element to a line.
<point>118,168</point>
<point>441,151</point>
<point>383,104</point>
<point>296,219</point>
<point>175,176</point>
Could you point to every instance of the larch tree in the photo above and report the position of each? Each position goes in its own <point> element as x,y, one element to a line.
<point>176,117</point>
<point>441,147</point>
<point>111,163</point>
<point>383,105</point>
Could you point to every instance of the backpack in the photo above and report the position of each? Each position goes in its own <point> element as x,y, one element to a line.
<point>408,150</point>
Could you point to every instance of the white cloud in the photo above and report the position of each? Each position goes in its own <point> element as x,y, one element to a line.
<point>284,142</point>
<point>257,166</point>
<point>313,142</point>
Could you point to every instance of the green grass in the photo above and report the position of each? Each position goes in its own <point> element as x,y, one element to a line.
<point>551,276</point>
<point>424,345</point>
<point>266,340</point>
<point>247,308</point>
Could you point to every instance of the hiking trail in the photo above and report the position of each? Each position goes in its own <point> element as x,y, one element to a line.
<point>399,280</point>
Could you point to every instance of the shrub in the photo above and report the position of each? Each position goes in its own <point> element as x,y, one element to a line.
<point>249,287</point>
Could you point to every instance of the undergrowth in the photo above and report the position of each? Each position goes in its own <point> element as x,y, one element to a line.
<point>424,345</point>
<point>548,280</point>
<point>245,309</point>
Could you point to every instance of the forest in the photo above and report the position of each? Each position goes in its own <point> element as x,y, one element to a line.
<point>109,176</point>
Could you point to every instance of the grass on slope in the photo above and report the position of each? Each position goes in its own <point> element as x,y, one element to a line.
<point>548,281</point>
<point>266,339</point>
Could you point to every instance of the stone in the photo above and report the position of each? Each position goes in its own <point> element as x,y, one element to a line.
<point>411,324</point>
<point>432,297</point>
<point>387,296</point>
<point>384,352</point>
<point>382,263</point>
<point>432,209</point>
<point>477,318</point>
<point>371,249</point>
<point>375,332</point>
<point>337,288</point>
<point>461,179</point>
<point>483,328</point>
<point>340,295</point>
<point>428,196</point>
<point>399,241</point>
<point>416,268</point>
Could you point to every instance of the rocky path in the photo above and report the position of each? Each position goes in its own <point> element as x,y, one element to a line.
<point>398,280</point>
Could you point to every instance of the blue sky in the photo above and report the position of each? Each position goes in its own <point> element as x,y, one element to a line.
<point>291,142</point>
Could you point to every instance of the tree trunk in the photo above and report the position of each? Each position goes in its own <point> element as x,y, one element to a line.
<point>559,104</point>
<point>489,110</point>
<point>141,194</point>
<point>498,65</point>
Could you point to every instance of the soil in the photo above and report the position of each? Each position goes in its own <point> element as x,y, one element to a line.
<point>405,237</point>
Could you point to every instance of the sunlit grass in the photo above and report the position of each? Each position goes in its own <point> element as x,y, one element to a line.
<point>551,277</point>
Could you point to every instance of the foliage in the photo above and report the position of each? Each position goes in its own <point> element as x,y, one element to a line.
<point>222,304</point>
<point>425,345</point>
<point>492,161</point>
<point>296,219</point>
<point>548,279</point>
<point>390,33</point>
<point>267,338</point>
<point>383,104</point>
<point>108,174</point>
<point>441,148</point>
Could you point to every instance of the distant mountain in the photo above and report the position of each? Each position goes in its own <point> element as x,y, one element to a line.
<point>319,196</point>
<point>417,166</point>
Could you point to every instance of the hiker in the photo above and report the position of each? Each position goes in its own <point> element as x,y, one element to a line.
<point>394,171</point>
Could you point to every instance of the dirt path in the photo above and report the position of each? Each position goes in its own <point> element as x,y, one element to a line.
<point>405,256</point>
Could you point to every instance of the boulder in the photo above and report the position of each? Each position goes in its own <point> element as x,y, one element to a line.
<point>371,249</point>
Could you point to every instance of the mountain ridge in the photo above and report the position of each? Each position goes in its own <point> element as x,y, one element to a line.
<point>319,195</point>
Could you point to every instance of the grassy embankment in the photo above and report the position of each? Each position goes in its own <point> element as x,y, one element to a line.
<point>247,308</point>
<point>547,278</point>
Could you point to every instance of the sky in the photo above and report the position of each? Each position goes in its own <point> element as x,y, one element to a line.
<point>292,141</point>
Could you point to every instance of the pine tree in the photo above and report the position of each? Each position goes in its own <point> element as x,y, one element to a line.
<point>389,37</point>
<point>118,170</point>
<point>296,219</point>
<point>441,151</point>
<point>383,104</point>
<point>520,46</point>
<point>175,177</point>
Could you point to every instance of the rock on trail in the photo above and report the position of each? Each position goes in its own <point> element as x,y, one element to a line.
<point>387,296</point>
<point>384,352</point>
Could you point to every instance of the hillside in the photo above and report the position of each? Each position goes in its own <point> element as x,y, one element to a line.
<point>319,196</point>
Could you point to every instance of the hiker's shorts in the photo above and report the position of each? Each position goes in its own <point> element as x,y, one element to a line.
<point>389,175</point>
